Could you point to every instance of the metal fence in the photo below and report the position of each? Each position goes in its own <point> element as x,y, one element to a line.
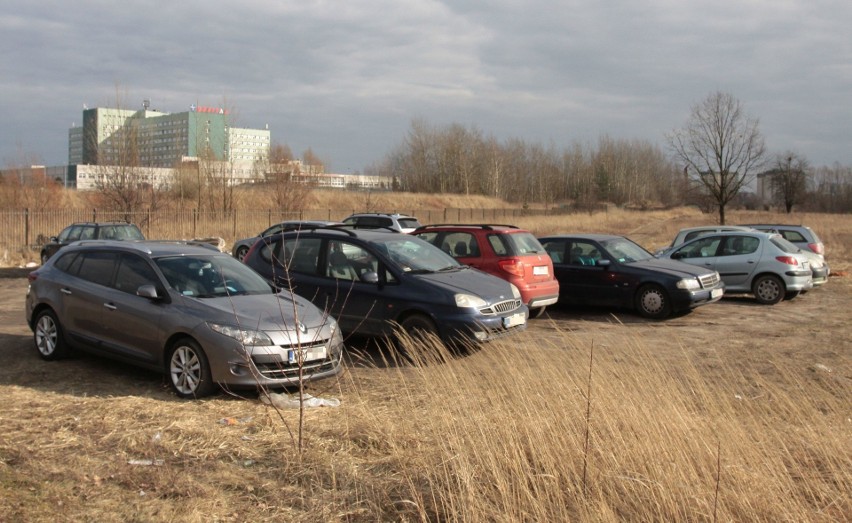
<point>25,230</point>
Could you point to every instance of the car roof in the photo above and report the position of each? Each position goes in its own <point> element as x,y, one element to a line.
<point>582,236</point>
<point>714,227</point>
<point>116,222</point>
<point>332,231</point>
<point>746,232</point>
<point>154,248</point>
<point>481,226</point>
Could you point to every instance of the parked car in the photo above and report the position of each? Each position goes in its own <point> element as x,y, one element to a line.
<point>241,247</point>
<point>188,310</point>
<point>90,231</point>
<point>372,281</point>
<point>807,240</point>
<point>608,270</point>
<point>505,251</point>
<point>800,235</point>
<point>764,264</point>
<point>689,233</point>
<point>379,220</point>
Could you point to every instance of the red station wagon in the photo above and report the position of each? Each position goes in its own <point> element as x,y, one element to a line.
<point>502,250</point>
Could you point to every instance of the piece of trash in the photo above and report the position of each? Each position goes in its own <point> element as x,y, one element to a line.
<point>291,401</point>
<point>146,462</point>
<point>820,367</point>
<point>156,438</point>
<point>234,421</point>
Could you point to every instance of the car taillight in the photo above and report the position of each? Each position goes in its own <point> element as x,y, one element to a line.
<point>512,266</point>
<point>31,277</point>
<point>816,247</point>
<point>789,260</point>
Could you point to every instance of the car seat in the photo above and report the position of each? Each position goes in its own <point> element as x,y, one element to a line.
<point>460,250</point>
<point>339,267</point>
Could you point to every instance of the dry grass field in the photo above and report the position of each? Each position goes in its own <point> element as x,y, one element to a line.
<point>734,412</point>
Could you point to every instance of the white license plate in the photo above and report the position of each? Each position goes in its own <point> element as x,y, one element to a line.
<point>541,270</point>
<point>315,353</point>
<point>715,293</point>
<point>514,320</point>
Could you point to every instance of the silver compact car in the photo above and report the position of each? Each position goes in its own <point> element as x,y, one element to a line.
<point>188,310</point>
<point>763,264</point>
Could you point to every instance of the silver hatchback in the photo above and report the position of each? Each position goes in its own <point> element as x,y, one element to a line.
<point>763,264</point>
<point>190,311</point>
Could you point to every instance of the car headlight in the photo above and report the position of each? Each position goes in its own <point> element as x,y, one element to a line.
<point>244,336</point>
<point>689,284</point>
<point>515,292</point>
<point>469,301</point>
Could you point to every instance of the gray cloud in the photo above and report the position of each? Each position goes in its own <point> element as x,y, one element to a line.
<point>347,78</point>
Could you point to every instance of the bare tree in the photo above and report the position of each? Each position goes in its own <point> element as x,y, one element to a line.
<point>720,146</point>
<point>788,179</point>
<point>290,191</point>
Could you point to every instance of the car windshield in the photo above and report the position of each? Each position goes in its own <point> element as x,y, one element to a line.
<point>211,276</point>
<point>412,254</point>
<point>625,251</point>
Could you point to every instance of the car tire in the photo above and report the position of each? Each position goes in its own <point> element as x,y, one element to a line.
<point>188,370</point>
<point>792,294</point>
<point>48,337</point>
<point>537,312</point>
<point>768,289</point>
<point>241,252</point>
<point>653,302</point>
<point>419,326</point>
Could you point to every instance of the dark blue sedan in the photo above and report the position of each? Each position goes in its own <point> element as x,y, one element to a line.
<point>613,271</point>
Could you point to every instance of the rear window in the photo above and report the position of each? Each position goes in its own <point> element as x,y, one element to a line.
<point>784,245</point>
<point>517,244</point>
<point>409,223</point>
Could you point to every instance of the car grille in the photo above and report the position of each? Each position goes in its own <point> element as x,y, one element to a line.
<point>709,280</point>
<point>282,369</point>
<point>501,307</point>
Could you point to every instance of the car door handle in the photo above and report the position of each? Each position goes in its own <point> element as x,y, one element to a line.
<point>110,306</point>
<point>65,291</point>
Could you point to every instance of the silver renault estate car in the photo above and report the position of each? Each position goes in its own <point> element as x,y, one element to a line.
<point>190,311</point>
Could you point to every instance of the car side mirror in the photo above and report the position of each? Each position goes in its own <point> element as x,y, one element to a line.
<point>370,277</point>
<point>677,255</point>
<point>147,291</point>
<point>603,262</point>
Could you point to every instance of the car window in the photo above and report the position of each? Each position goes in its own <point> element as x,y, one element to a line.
<point>556,250</point>
<point>625,251</point>
<point>793,236</point>
<point>64,260</point>
<point>97,266</point>
<point>347,261</point>
<point>133,272</point>
<point>583,253</point>
<point>784,245</point>
<point>408,223</point>
<point>461,245</point>
<point>523,243</point>
<point>739,245</point>
<point>301,254</point>
<point>498,244</point>
<point>701,248</point>
<point>87,233</point>
<point>70,234</point>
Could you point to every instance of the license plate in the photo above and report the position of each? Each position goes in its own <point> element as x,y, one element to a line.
<point>541,270</point>
<point>715,293</point>
<point>514,320</point>
<point>314,353</point>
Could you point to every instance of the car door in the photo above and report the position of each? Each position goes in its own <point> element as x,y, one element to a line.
<point>349,287</point>
<point>581,280</point>
<point>83,295</point>
<point>702,252</point>
<point>737,259</point>
<point>130,322</point>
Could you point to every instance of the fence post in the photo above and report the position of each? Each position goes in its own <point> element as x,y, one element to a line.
<point>194,222</point>
<point>94,215</point>
<point>27,227</point>
<point>234,233</point>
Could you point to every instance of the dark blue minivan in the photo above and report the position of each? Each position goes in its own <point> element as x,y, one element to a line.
<point>372,281</point>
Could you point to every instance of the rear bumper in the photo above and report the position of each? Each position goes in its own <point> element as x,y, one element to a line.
<point>540,294</point>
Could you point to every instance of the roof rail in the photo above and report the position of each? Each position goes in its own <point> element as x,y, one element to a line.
<point>484,226</point>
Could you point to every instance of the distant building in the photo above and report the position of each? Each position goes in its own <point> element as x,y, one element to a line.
<point>148,138</point>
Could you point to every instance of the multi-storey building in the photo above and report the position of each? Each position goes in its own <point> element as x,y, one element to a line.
<point>149,138</point>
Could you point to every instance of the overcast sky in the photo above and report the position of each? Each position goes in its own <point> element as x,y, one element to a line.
<point>347,77</point>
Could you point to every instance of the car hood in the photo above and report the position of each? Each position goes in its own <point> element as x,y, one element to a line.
<point>673,267</point>
<point>471,281</point>
<point>259,311</point>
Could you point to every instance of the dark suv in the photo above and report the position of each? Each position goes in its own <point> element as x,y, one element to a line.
<point>505,251</point>
<point>372,281</point>
<point>90,231</point>
<point>188,310</point>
